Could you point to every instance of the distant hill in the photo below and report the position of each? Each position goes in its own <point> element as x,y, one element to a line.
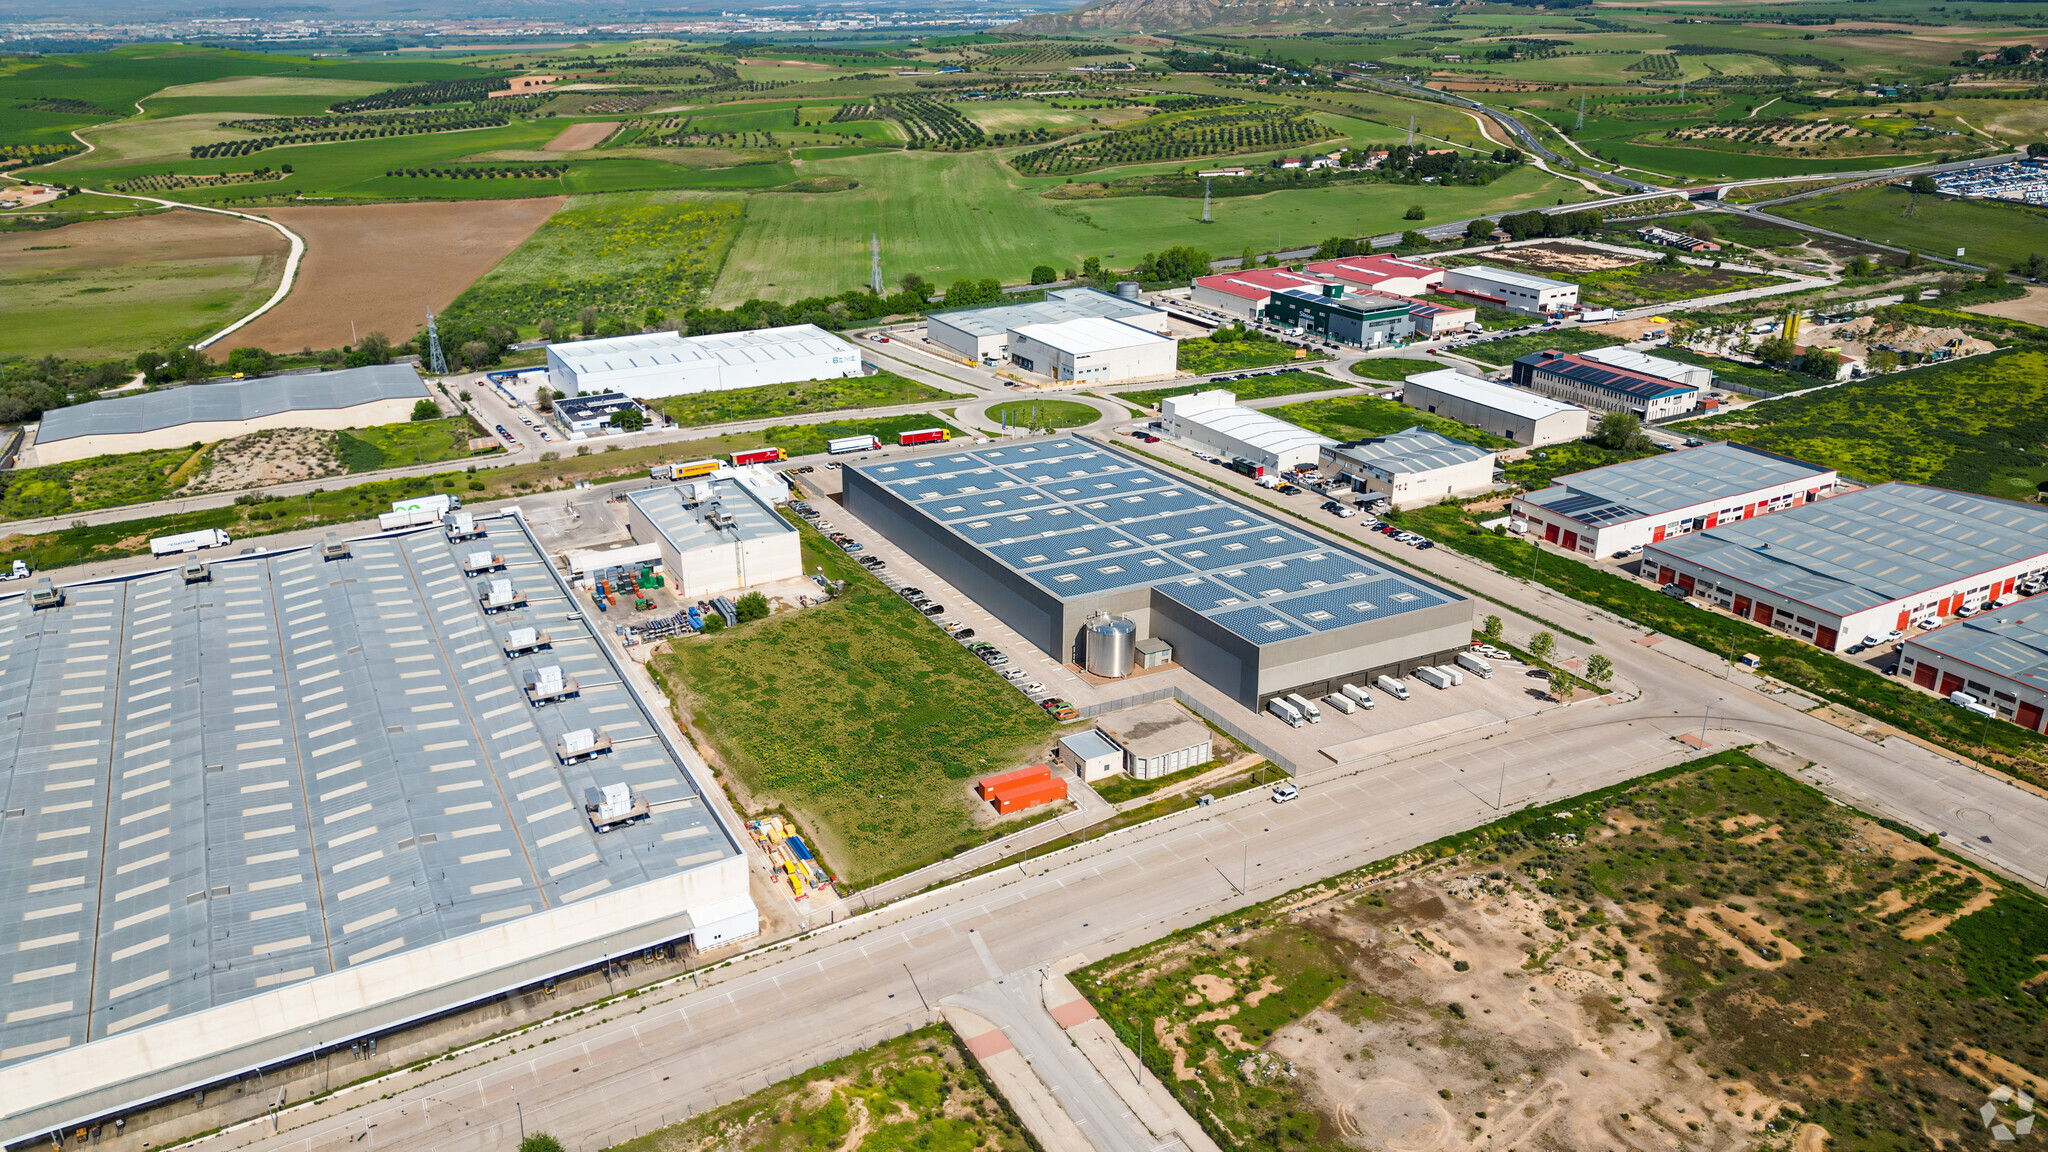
<point>1163,15</point>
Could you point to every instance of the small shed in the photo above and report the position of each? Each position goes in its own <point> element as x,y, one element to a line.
<point>1092,755</point>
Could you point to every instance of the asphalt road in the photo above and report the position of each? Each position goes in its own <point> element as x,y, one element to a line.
<point>608,1075</point>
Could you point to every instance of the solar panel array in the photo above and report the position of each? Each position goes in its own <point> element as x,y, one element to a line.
<point>1080,521</point>
<point>293,767</point>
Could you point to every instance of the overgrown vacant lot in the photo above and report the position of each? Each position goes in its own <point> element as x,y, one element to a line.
<point>1712,957</point>
<point>1253,350</point>
<point>1283,384</point>
<point>1980,425</point>
<point>877,391</point>
<point>1357,417</point>
<point>859,717</point>
<point>916,1092</point>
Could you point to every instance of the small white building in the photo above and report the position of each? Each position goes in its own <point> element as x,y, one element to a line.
<point>1091,755</point>
<point>1158,739</point>
<point>1094,350</point>
<point>1412,468</point>
<point>1644,364</point>
<point>655,364</point>
<point>1515,413</point>
<point>983,335</point>
<point>1213,420</point>
<point>1523,292</point>
<point>717,536</point>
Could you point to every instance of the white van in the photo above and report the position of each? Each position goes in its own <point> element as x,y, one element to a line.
<point>1359,696</point>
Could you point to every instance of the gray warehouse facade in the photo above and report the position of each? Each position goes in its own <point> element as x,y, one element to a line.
<point>1045,532</point>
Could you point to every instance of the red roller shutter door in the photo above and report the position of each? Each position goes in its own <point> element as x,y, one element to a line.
<point>1742,606</point>
<point>1902,619</point>
<point>1657,537</point>
<point>1950,682</point>
<point>1763,613</point>
<point>2029,716</point>
<point>1664,574</point>
<point>1713,518</point>
<point>1686,583</point>
<point>1570,543</point>
<point>1550,533</point>
<point>1825,637</point>
<point>1924,675</point>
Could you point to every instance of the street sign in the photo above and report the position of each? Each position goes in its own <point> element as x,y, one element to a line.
<point>1959,253</point>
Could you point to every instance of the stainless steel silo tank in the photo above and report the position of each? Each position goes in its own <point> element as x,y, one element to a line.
<point>1110,645</point>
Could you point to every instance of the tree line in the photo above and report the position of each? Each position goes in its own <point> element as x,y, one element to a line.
<point>225,148</point>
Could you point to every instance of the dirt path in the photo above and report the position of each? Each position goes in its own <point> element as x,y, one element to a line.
<point>291,264</point>
<point>383,267</point>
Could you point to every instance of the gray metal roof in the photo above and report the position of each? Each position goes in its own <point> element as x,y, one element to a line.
<point>1080,521</point>
<point>647,349</point>
<point>1059,304</point>
<point>231,400</point>
<point>1261,430</point>
<point>1498,397</point>
<point>687,522</point>
<point>595,406</point>
<point>1517,277</point>
<point>295,767</point>
<point>1663,484</point>
<point>1409,451</point>
<point>1871,547</point>
<point>2012,643</point>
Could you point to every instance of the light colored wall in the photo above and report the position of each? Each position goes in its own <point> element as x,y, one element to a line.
<point>1421,489</point>
<point>1535,433</point>
<point>1152,360</point>
<point>367,415</point>
<point>1225,302</point>
<point>658,380</point>
<point>963,344</point>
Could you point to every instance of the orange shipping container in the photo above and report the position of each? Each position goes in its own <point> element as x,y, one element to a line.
<point>1018,797</point>
<point>988,788</point>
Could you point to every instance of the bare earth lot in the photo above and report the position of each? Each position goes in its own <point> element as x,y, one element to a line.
<point>385,266</point>
<point>577,137</point>
<point>2032,308</point>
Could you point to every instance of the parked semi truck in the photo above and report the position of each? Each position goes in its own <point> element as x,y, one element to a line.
<point>924,436</point>
<point>759,456</point>
<point>1308,710</point>
<point>688,470</point>
<point>189,542</point>
<point>1476,664</point>
<point>1279,706</point>
<point>438,504</point>
<point>851,444</point>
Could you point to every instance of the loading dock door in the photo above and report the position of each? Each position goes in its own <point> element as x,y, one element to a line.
<point>1924,675</point>
<point>1825,637</point>
<point>2029,716</point>
<point>1550,533</point>
<point>1742,606</point>
<point>1950,682</point>
<point>1763,613</point>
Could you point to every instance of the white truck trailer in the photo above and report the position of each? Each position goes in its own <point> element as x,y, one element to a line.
<point>189,542</point>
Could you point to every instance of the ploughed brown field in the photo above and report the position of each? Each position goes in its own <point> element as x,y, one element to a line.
<point>385,266</point>
<point>577,137</point>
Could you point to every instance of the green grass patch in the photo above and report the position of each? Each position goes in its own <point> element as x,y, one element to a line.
<point>880,390</point>
<point>1120,788</point>
<point>859,717</point>
<point>1987,230</point>
<point>416,442</point>
<point>1207,354</point>
<point>1979,424</point>
<point>1043,414</point>
<point>919,1091</point>
<point>1752,376</point>
<point>1393,367</point>
<point>1540,467</point>
<point>1283,384</point>
<point>1509,349</point>
<point>98,482</point>
<point>1350,418</point>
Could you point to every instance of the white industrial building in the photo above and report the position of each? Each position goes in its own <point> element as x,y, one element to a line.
<point>1093,349</point>
<point>1603,511</point>
<point>1642,363</point>
<point>1412,468</point>
<point>1522,292</point>
<point>1863,564</point>
<point>982,335</point>
<point>717,535</point>
<point>2001,659</point>
<point>1157,739</point>
<point>1213,420</point>
<point>655,364</point>
<point>1515,413</point>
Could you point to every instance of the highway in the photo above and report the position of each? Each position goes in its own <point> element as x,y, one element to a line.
<point>605,1076</point>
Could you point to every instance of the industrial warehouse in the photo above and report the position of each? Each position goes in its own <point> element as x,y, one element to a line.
<point>2001,659</point>
<point>1214,420</point>
<point>286,800</point>
<point>1602,387</point>
<point>1516,414</point>
<point>1626,506</point>
<point>1051,532</point>
<point>656,364</point>
<point>983,335</point>
<point>176,417</point>
<point>1864,564</point>
<point>715,535</point>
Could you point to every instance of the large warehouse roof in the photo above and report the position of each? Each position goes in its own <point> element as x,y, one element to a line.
<point>1079,521</point>
<point>1513,276</point>
<point>1621,381</point>
<point>1872,547</point>
<point>1059,304</point>
<point>2012,643</point>
<point>1630,360</point>
<point>651,349</point>
<point>226,797</point>
<point>1089,334</point>
<point>1675,480</point>
<point>1512,401</point>
<point>231,401</point>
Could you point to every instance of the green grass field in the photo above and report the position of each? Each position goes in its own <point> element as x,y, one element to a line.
<point>621,254</point>
<point>1284,384</point>
<point>395,445</point>
<point>1393,367</point>
<point>2003,233</point>
<point>1508,349</point>
<point>1205,355</point>
<point>1043,414</point>
<point>1980,425</point>
<point>859,717</point>
<point>99,482</point>
<point>878,391</point>
<point>1358,417</point>
<point>948,215</point>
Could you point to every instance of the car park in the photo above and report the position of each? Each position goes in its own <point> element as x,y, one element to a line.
<point>1424,544</point>
<point>1033,688</point>
<point>910,593</point>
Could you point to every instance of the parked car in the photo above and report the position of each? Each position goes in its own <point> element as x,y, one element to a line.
<point>1033,688</point>
<point>1014,674</point>
<point>1856,649</point>
<point>1675,591</point>
<point>964,634</point>
<point>910,593</point>
<point>1285,792</point>
<point>932,609</point>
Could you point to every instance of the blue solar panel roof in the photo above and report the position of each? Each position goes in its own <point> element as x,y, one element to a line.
<point>1080,520</point>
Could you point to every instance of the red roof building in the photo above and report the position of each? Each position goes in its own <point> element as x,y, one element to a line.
<point>1382,273</point>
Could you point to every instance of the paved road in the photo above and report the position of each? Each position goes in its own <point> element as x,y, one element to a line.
<point>1515,126</point>
<point>776,1011</point>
